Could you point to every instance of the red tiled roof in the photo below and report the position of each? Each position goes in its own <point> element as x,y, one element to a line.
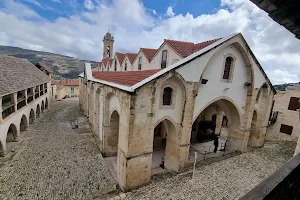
<point>188,48</point>
<point>70,82</point>
<point>107,60</point>
<point>131,56</point>
<point>128,78</point>
<point>183,48</point>
<point>54,82</point>
<point>149,53</point>
<point>121,57</point>
<point>202,45</point>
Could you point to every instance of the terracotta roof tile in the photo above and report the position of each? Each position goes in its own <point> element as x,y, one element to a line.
<point>106,61</point>
<point>121,57</point>
<point>188,48</point>
<point>127,78</point>
<point>54,82</point>
<point>70,82</point>
<point>202,45</point>
<point>131,56</point>
<point>149,53</point>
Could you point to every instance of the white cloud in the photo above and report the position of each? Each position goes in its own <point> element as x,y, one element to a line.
<point>56,1</point>
<point>135,26</point>
<point>88,4</point>
<point>35,2</point>
<point>281,77</point>
<point>170,12</point>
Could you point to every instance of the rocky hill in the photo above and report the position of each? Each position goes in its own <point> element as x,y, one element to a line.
<point>63,67</point>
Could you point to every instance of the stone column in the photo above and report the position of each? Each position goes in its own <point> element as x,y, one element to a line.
<point>26,96</point>
<point>33,93</point>
<point>15,101</point>
<point>219,123</point>
<point>177,156</point>
<point>135,140</point>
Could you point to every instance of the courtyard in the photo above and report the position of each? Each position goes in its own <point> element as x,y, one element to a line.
<point>54,161</point>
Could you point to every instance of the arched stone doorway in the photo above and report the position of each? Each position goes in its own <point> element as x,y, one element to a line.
<point>253,131</point>
<point>112,135</point>
<point>46,103</point>
<point>12,134</point>
<point>31,116</point>
<point>38,111</point>
<point>23,123</point>
<point>164,147</point>
<point>43,106</point>
<point>208,125</point>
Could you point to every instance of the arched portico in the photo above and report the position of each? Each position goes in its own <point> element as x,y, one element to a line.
<point>164,145</point>
<point>43,106</point>
<point>24,123</point>
<point>38,111</point>
<point>111,122</point>
<point>46,103</point>
<point>12,134</point>
<point>260,117</point>
<point>204,129</point>
<point>31,116</point>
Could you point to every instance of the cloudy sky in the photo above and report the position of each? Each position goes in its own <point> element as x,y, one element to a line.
<point>76,28</point>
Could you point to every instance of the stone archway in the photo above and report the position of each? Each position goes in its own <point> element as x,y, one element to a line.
<point>31,116</point>
<point>204,130</point>
<point>38,111</point>
<point>111,137</point>
<point>23,123</point>
<point>12,134</point>
<point>46,103</point>
<point>164,146</point>
<point>43,106</point>
<point>253,131</point>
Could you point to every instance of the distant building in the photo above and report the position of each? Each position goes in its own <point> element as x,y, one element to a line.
<point>64,88</point>
<point>165,102</point>
<point>24,95</point>
<point>286,112</point>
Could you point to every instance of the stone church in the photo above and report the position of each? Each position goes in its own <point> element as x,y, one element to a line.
<point>171,98</point>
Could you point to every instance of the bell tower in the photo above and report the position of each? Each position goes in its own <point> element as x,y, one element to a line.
<point>108,45</point>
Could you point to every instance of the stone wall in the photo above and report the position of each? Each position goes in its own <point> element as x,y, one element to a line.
<point>285,116</point>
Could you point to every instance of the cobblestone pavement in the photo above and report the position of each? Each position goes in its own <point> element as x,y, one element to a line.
<point>224,180</point>
<point>54,161</point>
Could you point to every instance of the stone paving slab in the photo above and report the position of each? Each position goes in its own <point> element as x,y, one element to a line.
<point>224,180</point>
<point>54,161</point>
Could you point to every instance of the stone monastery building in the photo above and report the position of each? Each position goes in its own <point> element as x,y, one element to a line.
<point>162,99</point>
<point>24,95</point>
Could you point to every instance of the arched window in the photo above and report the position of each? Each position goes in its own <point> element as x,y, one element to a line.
<point>115,64</point>
<point>125,65</point>
<point>228,64</point>
<point>167,96</point>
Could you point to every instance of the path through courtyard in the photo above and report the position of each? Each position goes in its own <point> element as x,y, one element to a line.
<point>54,161</point>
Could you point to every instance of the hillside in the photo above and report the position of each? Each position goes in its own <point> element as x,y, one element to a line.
<point>63,67</point>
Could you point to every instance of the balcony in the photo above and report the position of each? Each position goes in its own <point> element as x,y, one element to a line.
<point>7,109</point>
